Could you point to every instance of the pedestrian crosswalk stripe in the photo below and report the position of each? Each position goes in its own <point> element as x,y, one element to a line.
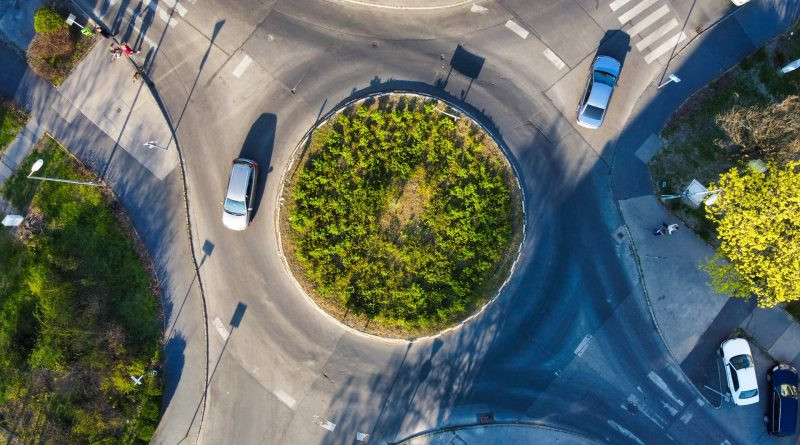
<point>657,34</point>
<point>552,57</point>
<point>518,30</point>
<point>636,10</point>
<point>649,20</point>
<point>616,4</point>
<point>664,47</point>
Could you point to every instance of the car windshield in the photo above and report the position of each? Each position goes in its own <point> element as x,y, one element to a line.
<point>235,207</point>
<point>593,112</point>
<point>750,393</point>
<point>742,361</point>
<point>787,390</point>
<point>603,77</point>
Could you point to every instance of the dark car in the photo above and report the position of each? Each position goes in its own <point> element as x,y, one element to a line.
<point>781,415</point>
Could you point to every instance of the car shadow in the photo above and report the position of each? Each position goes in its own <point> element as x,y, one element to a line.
<point>258,146</point>
<point>615,43</point>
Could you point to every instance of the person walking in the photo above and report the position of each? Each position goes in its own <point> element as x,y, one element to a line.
<point>672,228</point>
<point>127,49</point>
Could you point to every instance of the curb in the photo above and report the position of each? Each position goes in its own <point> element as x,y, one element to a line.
<point>294,157</point>
<point>476,425</point>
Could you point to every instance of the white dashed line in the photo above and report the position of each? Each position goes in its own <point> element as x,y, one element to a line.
<point>657,34</point>
<point>324,423</point>
<point>362,437</point>
<point>583,345</point>
<point>700,401</point>
<point>551,56</point>
<point>636,10</point>
<point>663,386</point>
<point>686,417</point>
<point>285,398</point>
<point>616,4</point>
<point>664,47</point>
<point>221,328</point>
<point>246,61</point>
<point>478,8</point>
<point>649,20</point>
<point>518,30</point>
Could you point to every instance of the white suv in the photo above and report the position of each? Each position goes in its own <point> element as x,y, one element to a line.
<point>239,198</point>
<point>740,371</point>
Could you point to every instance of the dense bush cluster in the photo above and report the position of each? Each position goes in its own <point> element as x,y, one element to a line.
<point>47,20</point>
<point>78,316</point>
<point>402,214</point>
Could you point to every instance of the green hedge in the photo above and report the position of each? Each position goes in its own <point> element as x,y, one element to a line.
<point>402,214</point>
<point>47,20</point>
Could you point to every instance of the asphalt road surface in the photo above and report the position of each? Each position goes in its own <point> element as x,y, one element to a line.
<point>569,343</point>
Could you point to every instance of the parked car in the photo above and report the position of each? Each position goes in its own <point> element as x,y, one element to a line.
<point>239,197</point>
<point>781,415</point>
<point>740,371</point>
<point>597,93</point>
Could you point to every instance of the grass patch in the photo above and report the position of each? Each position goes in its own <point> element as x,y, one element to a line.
<point>12,119</point>
<point>400,220</point>
<point>695,144</point>
<point>78,313</point>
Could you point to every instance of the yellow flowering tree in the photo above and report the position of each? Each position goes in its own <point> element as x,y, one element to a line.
<point>758,223</point>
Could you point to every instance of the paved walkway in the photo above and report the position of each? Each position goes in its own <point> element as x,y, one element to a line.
<point>105,118</point>
<point>692,318</point>
<point>499,434</point>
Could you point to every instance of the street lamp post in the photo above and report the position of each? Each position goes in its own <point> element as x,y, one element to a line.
<point>38,165</point>
<point>672,78</point>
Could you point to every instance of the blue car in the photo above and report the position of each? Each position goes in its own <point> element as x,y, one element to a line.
<point>781,415</point>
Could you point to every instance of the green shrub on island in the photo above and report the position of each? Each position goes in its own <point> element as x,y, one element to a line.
<point>402,214</point>
<point>47,20</point>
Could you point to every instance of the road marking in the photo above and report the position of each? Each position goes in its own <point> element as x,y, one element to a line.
<point>664,47</point>
<point>583,345</point>
<point>669,408</point>
<point>162,14</point>
<point>362,437</point>
<point>700,401</point>
<point>285,398</point>
<point>663,385</point>
<point>636,10</point>
<point>243,64</point>
<point>725,442</point>
<point>221,329</point>
<point>649,20</point>
<point>650,414</point>
<point>478,8</point>
<point>657,34</point>
<point>551,56</point>
<point>177,6</point>
<point>686,417</point>
<point>616,4</point>
<point>325,423</point>
<point>624,431</point>
<point>678,374</point>
<point>518,30</point>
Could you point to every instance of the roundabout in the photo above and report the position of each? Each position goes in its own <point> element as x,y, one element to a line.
<point>401,216</point>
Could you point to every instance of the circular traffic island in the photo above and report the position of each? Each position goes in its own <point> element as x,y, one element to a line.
<point>401,216</point>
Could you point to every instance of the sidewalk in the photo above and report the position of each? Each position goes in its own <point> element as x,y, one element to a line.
<point>103,117</point>
<point>499,434</point>
<point>691,317</point>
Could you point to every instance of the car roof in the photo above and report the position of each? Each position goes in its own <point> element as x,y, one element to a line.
<point>747,378</point>
<point>237,185</point>
<point>601,93</point>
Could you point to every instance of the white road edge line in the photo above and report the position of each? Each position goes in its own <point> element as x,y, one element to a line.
<point>583,345</point>
<point>518,30</point>
<point>649,20</point>
<point>664,47</point>
<point>636,10</point>
<point>663,386</point>
<point>243,64</point>
<point>625,432</point>
<point>221,329</point>
<point>324,423</point>
<point>616,4</point>
<point>285,398</point>
<point>551,56</point>
<point>657,34</point>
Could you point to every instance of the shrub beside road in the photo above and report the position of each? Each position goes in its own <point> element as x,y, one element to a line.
<point>402,217</point>
<point>724,136</point>
<point>57,47</point>
<point>12,119</point>
<point>79,314</point>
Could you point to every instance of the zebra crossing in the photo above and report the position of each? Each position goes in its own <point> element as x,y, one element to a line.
<point>652,21</point>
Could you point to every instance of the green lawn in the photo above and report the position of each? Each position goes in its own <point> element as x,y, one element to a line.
<point>79,314</point>
<point>12,119</point>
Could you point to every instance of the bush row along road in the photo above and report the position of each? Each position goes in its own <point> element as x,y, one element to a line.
<point>569,344</point>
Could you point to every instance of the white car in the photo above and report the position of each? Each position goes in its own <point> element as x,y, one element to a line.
<point>239,197</point>
<point>740,371</point>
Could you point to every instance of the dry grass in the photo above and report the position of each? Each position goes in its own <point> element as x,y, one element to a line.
<point>52,56</point>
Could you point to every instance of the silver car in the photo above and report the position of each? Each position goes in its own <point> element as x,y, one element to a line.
<point>239,197</point>
<point>597,94</point>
